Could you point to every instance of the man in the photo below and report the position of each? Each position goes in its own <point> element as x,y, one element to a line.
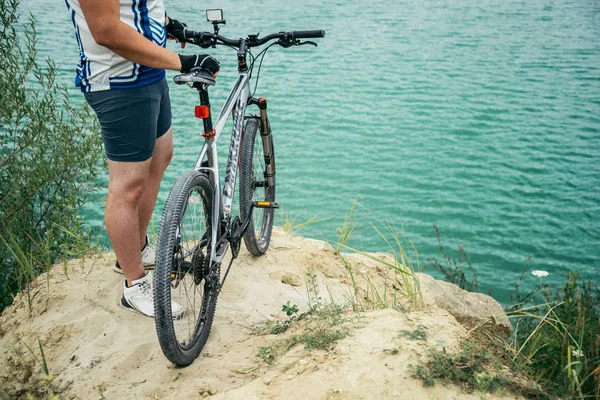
<point>122,75</point>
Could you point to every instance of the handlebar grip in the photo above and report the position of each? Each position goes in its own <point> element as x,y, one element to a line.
<point>189,34</point>
<point>308,34</point>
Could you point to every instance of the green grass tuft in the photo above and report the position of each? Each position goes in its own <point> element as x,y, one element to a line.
<point>420,333</point>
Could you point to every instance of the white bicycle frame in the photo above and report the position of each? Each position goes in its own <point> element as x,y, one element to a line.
<point>238,100</point>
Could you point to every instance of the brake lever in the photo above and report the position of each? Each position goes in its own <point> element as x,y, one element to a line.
<point>286,43</point>
<point>299,43</point>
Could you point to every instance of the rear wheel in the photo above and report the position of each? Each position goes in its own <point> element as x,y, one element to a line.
<point>182,266</point>
<point>254,187</point>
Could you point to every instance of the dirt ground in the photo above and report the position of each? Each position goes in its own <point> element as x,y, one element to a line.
<point>96,350</point>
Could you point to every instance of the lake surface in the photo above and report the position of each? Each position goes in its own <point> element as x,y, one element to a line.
<point>482,117</point>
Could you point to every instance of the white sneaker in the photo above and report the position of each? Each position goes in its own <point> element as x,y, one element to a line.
<point>139,298</point>
<point>148,255</point>
<point>148,258</point>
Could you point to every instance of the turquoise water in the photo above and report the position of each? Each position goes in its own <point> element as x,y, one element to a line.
<point>482,117</point>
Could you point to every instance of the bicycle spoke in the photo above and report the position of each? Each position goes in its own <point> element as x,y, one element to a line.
<point>193,235</point>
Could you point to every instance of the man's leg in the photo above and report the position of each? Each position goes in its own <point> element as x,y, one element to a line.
<point>163,152</point>
<point>126,186</point>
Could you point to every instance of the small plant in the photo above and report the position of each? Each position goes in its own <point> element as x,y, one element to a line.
<point>292,313</point>
<point>348,228</point>
<point>452,269</point>
<point>78,246</point>
<point>354,300</point>
<point>43,363</point>
<point>404,265</point>
<point>267,354</point>
<point>280,327</point>
<point>289,310</point>
<point>26,265</point>
<point>320,329</point>
<point>289,225</point>
<point>322,338</point>
<point>312,290</point>
<point>557,335</point>
<point>465,369</point>
<point>418,334</point>
<point>324,327</point>
<point>422,373</point>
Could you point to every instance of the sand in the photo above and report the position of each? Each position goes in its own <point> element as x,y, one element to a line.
<point>97,350</point>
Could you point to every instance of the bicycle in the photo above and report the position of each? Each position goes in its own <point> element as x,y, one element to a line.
<point>197,226</point>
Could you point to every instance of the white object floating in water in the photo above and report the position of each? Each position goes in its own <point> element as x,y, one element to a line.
<point>539,273</point>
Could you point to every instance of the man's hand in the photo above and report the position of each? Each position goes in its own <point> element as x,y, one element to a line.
<point>203,61</point>
<point>176,31</point>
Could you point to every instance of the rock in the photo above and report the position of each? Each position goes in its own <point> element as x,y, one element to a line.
<point>291,279</point>
<point>470,309</point>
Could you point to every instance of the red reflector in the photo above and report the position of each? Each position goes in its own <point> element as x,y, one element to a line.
<point>202,112</point>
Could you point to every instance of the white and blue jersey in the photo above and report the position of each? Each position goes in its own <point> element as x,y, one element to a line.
<point>100,68</point>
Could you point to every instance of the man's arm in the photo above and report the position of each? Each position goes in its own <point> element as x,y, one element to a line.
<point>103,19</point>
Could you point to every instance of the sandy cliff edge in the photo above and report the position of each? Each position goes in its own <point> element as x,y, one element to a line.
<point>95,349</point>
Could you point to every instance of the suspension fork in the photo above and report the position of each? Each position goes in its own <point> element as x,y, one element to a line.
<point>267,140</point>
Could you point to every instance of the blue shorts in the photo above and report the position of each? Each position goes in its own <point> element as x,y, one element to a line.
<point>132,119</point>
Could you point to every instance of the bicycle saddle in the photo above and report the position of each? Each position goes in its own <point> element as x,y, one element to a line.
<point>195,76</point>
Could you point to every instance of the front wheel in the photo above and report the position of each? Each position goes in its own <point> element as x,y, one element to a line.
<point>254,186</point>
<point>182,270</point>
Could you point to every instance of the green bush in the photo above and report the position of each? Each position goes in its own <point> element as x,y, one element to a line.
<point>557,333</point>
<point>556,340</point>
<point>49,159</point>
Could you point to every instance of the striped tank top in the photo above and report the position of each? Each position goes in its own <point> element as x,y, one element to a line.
<point>101,69</point>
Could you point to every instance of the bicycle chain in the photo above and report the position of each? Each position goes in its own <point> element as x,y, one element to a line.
<point>225,276</point>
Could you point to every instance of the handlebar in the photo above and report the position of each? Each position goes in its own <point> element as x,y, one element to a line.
<point>209,39</point>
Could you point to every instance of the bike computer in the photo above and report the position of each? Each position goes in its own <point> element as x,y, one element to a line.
<point>214,15</point>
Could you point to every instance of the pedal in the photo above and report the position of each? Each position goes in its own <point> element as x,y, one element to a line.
<point>265,204</point>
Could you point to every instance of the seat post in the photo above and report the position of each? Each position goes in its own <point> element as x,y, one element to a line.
<point>209,131</point>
